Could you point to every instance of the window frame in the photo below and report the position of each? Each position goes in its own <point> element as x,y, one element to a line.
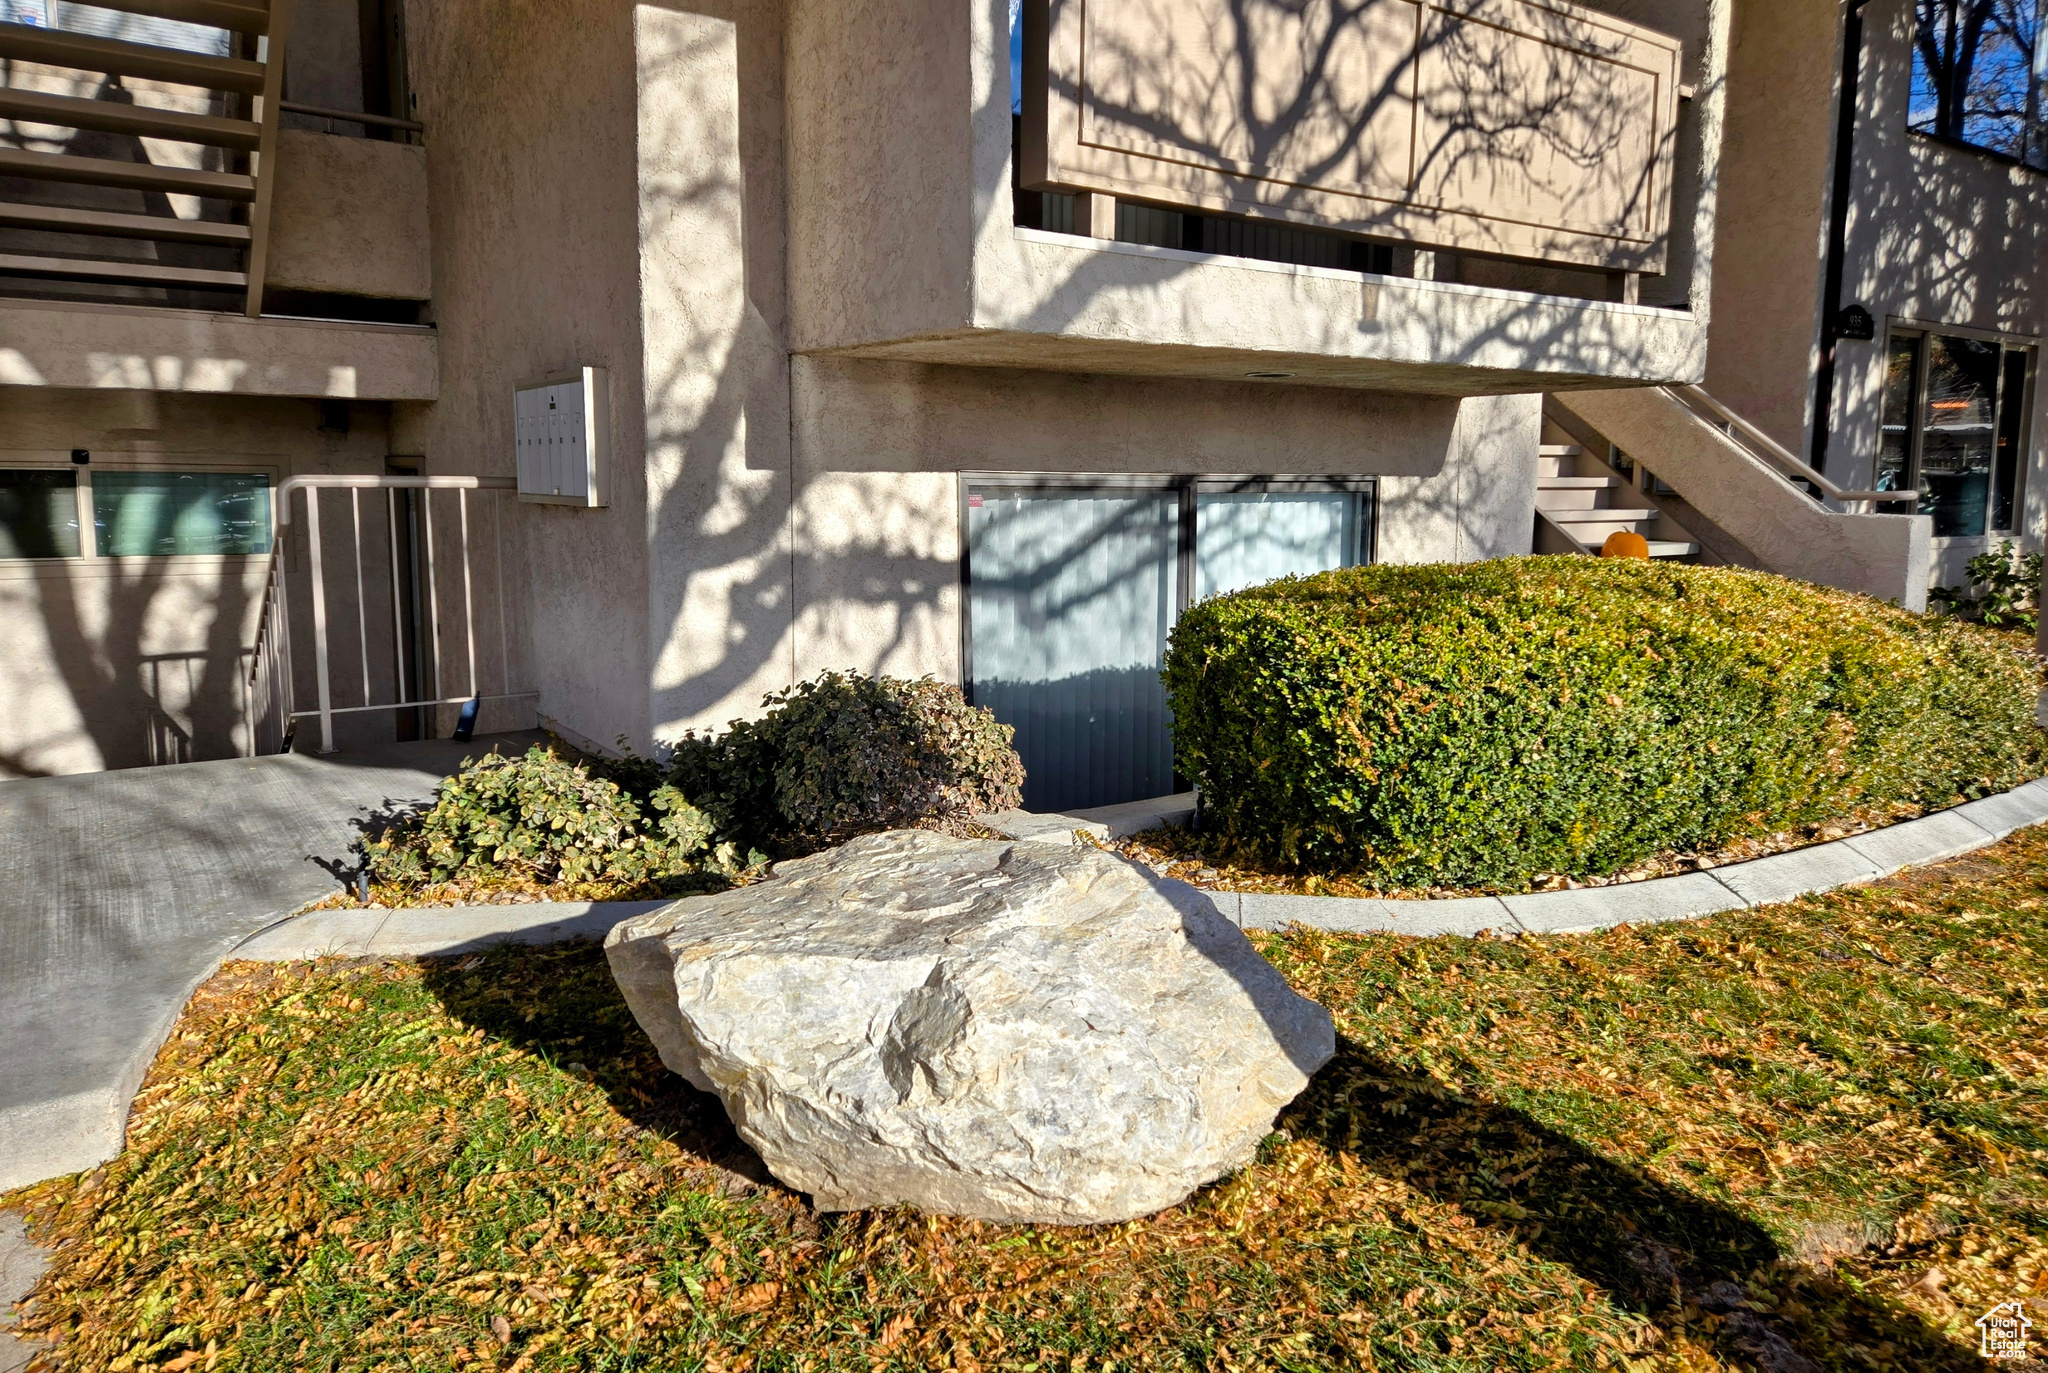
<point>1916,434</point>
<point>1186,487</point>
<point>89,555</point>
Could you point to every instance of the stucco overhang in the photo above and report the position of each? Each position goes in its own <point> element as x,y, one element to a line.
<point>49,343</point>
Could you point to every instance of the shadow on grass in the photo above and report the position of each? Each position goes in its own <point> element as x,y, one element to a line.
<point>1658,1250</point>
<point>560,1003</point>
<point>1675,1257</point>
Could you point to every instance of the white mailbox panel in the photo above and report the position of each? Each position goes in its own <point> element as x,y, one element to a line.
<point>562,427</point>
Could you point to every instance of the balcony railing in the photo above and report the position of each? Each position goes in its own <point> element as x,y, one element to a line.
<point>411,607</point>
<point>1509,128</point>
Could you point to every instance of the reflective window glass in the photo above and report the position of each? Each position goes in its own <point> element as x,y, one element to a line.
<point>2012,441</point>
<point>1979,68</point>
<point>158,514</point>
<point>1956,441</point>
<point>1895,447</point>
<point>38,513</point>
<point>1243,538</point>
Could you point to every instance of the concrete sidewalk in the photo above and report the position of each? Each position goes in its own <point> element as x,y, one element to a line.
<point>121,891</point>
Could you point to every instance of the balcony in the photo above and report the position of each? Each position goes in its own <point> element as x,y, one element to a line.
<point>162,203</point>
<point>1471,196</point>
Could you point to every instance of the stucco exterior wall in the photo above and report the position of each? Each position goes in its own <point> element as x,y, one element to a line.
<point>349,215</point>
<point>1937,235</point>
<point>606,189</point>
<point>878,201</point>
<point>882,447</point>
<point>113,663</point>
<point>536,264</point>
<point>127,347</point>
<point>1479,502</point>
<point>1776,158</point>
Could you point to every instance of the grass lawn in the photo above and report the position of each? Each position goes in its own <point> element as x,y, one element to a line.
<point>1539,1154</point>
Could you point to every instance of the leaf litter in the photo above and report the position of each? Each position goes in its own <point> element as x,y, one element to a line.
<point>1807,1137</point>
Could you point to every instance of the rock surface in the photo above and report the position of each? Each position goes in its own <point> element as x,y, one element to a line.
<point>1007,1031</point>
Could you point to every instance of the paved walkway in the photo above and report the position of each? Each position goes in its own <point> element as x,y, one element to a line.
<point>120,892</point>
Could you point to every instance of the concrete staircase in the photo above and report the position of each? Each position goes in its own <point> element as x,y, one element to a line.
<point>1748,501</point>
<point>1580,500</point>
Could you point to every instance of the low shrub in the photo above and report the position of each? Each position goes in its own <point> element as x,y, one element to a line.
<point>1482,724</point>
<point>2003,589</point>
<point>833,757</point>
<point>550,821</point>
<point>844,754</point>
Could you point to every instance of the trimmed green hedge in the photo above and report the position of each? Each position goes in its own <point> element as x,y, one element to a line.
<point>1481,724</point>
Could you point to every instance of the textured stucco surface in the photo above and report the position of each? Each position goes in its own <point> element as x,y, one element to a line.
<point>1775,162</point>
<point>881,448</point>
<point>122,347</point>
<point>1031,299</point>
<point>536,268</point>
<point>350,216</point>
<point>1937,235</point>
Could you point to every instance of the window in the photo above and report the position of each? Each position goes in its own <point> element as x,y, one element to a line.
<point>132,514</point>
<point>1979,69</point>
<point>38,513</point>
<point>1073,588</point>
<point>160,514</point>
<point>1955,428</point>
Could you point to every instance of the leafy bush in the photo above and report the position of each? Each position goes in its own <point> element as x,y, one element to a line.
<point>834,757</point>
<point>1482,724</point>
<point>548,820</point>
<point>2004,586</point>
<point>845,754</point>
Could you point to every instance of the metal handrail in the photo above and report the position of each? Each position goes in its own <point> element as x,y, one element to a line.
<point>390,483</point>
<point>312,486</point>
<point>382,121</point>
<point>1780,457</point>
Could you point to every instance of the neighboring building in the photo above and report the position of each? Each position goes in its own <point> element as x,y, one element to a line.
<point>917,336</point>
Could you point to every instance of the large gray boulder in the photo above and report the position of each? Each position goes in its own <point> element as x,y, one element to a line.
<point>1008,1031</point>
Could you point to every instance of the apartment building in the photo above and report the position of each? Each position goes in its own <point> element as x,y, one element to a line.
<point>612,365</point>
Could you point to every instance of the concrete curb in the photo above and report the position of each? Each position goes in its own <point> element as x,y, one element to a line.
<point>1687,896</point>
<point>379,932</point>
<point>384,932</point>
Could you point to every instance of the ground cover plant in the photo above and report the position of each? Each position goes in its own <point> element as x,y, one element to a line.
<point>1478,725</point>
<point>2003,591</point>
<point>1555,1153</point>
<point>830,758</point>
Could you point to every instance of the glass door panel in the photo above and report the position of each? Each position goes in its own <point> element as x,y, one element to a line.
<point>2012,441</point>
<point>1071,596</point>
<point>1895,444</point>
<point>1243,538</point>
<point>1957,436</point>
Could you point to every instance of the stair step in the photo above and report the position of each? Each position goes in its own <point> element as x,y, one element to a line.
<point>117,57</point>
<point>107,116</point>
<point>1671,548</point>
<point>140,176</point>
<point>62,219</point>
<point>1559,450</point>
<point>1576,483</point>
<point>1607,515</point>
<point>212,14</point>
<point>131,273</point>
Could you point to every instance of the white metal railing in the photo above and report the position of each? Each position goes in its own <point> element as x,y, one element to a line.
<point>1779,457</point>
<point>272,703</point>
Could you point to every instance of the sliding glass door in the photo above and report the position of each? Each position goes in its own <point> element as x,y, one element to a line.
<point>1073,589</point>
<point>1955,428</point>
<point>1071,597</point>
